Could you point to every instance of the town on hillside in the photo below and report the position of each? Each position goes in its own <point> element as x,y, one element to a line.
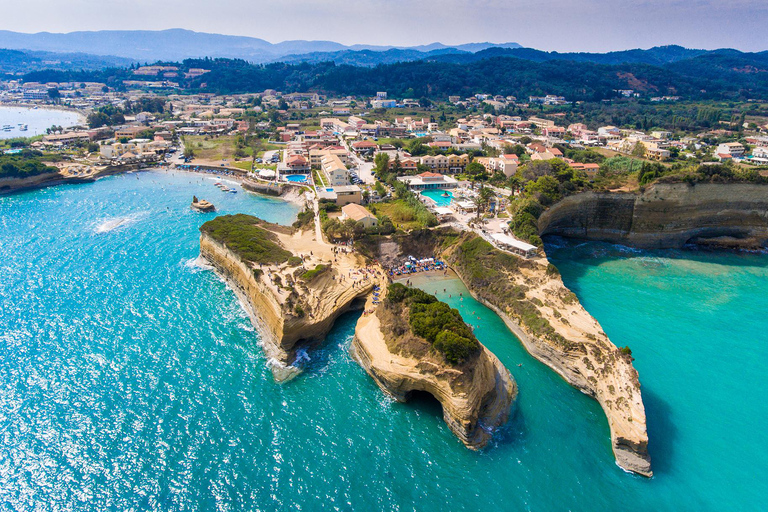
<point>488,163</point>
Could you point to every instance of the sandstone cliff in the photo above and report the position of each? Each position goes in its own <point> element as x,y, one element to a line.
<point>288,312</point>
<point>537,307</point>
<point>666,216</point>
<point>476,398</point>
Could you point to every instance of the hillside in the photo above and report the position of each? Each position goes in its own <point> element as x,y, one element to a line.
<point>179,44</point>
<point>18,62</point>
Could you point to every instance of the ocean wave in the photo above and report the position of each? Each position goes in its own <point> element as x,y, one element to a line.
<point>109,225</point>
<point>197,264</point>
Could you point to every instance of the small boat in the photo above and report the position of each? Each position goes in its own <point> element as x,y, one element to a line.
<point>232,191</point>
<point>23,127</point>
<point>202,205</point>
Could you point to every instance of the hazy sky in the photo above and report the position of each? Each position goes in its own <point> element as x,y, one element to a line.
<point>564,25</point>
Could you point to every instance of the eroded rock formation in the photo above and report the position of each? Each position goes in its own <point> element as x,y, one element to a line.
<point>666,216</point>
<point>476,396</point>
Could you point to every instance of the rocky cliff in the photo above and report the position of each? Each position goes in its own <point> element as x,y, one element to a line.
<point>288,312</point>
<point>547,317</point>
<point>666,216</point>
<point>475,397</point>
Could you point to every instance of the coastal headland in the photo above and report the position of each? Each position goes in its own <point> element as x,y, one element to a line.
<point>64,175</point>
<point>293,285</point>
<point>550,322</point>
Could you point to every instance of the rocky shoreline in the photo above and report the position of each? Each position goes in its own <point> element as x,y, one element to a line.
<point>288,320</point>
<point>476,399</point>
<point>555,329</point>
<point>666,216</point>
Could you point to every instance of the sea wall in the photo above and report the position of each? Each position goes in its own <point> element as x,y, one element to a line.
<point>666,216</point>
<point>476,398</point>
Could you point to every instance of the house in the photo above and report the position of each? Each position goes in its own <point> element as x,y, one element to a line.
<point>316,156</point>
<point>656,153</point>
<point>506,164</point>
<point>342,195</point>
<point>734,149</point>
<point>129,132</point>
<point>723,157</point>
<point>544,155</point>
<point>590,169</point>
<point>294,164</point>
<point>364,146</point>
<point>359,214</point>
<point>335,170</point>
<point>383,103</point>
<point>428,180</point>
<point>407,165</point>
<point>553,131</point>
<point>66,138</point>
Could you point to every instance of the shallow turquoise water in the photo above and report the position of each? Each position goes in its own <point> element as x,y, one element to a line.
<point>130,379</point>
<point>37,120</point>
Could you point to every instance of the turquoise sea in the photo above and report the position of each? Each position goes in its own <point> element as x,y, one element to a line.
<point>130,379</point>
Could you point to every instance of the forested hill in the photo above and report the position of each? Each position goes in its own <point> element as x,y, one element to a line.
<point>714,75</point>
<point>15,61</point>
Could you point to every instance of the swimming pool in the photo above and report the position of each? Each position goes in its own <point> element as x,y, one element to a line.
<point>296,178</point>
<point>437,197</point>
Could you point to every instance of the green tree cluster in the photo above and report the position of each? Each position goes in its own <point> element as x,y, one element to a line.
<point>436,322</point>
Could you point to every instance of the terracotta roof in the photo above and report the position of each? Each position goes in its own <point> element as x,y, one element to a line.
<point>356,212</point>
<point>297,160</point>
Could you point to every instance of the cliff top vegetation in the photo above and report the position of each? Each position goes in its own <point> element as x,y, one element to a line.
<point>242,235</point>
<point>432,320</point>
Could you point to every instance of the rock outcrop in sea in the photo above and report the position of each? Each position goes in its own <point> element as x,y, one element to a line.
<point>476,394</point>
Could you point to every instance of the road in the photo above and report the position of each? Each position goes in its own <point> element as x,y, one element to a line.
<point>364,169</point>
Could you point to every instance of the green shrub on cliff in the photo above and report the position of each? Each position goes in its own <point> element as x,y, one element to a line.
<point>436,322</point>
<point>241,235</point>
<point>488,273</point>
<point>525,215</point>
<point>311,275</point>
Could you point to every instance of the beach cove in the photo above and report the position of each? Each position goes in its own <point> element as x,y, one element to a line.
<point>134,379</point>
<point>36,119</point>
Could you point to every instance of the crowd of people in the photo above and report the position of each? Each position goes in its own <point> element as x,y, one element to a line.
<point>414,266</point>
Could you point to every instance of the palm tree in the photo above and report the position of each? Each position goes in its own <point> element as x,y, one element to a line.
<point>483,199</point>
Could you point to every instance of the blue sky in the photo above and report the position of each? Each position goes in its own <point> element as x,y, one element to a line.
<point>563,25</point>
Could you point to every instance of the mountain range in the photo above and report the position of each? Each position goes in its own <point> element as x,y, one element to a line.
<point>180,44</point>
